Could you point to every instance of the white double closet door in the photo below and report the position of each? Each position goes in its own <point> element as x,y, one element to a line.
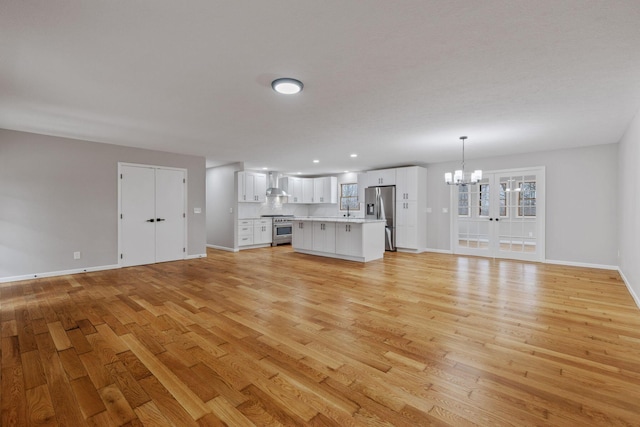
<point>152,218</point>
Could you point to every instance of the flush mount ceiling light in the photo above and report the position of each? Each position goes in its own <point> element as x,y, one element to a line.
<point>459,177</point>
<point>287,86</point>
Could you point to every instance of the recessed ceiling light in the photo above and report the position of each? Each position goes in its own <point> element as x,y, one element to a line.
<point>299,173</point>
<point>354,155</point>
<point>316,161</point>
<point>287,86</point>
<point>264,169</point>
<point>346,171</point>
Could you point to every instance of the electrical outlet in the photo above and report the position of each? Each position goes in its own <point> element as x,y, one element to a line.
<point>76,255</point>
<point>230,210</point>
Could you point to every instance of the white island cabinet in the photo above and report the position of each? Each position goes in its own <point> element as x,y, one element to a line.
<point>351,239</point>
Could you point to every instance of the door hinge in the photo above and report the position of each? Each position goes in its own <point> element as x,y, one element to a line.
<point>120,216</point>
<point>184,180</point>
<point>121,256</point>
<point>184,249</point>
<point>184,215</point>
<point>120,176</point>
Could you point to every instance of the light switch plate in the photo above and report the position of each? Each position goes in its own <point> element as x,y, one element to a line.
<point>445,210</point>
<point>197,210</point>
<point>428,210</point>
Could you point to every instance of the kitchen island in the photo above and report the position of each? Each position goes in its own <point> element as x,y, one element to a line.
<point>353,239</point>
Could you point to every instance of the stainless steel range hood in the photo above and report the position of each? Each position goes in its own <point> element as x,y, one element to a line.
<point>274,189</point>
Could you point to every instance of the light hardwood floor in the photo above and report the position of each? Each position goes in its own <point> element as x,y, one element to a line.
<point>269,337</point>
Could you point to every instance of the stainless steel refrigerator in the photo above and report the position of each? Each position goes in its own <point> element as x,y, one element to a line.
<point>380,203</point>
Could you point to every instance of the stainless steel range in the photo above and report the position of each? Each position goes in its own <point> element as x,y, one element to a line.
<point>282,229</point>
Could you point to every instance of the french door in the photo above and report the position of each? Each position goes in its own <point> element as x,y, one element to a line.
<point>152,214</point>
<point>502,216</point>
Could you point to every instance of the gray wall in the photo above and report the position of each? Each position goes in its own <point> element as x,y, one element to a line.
<point>59,195</point>
<point>581,201</point>
<point>629,212</point>
<point>222,196</point>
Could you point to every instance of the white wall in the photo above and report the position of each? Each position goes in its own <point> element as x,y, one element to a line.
<point>629,209</point>
<point>59,195</point>
<point>581,201</point>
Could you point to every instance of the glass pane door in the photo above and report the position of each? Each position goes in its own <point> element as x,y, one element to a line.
<point>521,229</point>
<point>501,216</point>
<point>472,234</point>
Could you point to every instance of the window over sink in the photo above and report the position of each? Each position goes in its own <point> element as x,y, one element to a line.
<point>349,197</point>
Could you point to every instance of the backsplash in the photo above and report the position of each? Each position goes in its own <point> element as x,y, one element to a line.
<point>273,206</point>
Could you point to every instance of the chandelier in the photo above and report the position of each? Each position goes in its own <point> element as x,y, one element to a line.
<point>459,177</point>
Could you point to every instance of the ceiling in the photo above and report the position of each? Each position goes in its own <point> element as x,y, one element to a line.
<point>395,82</point>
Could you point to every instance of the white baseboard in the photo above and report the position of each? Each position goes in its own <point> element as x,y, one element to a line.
<point>439,251</point>
<point>635,296</point>
<point>195,256</point>
<point>410,251</point>
<point>582,264</point>
<point>222,248</point>
<point>58,273</point>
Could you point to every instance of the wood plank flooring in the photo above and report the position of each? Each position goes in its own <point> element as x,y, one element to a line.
<point>269,337</point>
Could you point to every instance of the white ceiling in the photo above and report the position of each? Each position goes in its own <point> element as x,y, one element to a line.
<point>396,82</point>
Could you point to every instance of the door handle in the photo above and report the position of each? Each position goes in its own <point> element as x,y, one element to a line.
<point>151,220</point>
<point>160,219</point>
<point>490,219</point>
<point>497,219</point>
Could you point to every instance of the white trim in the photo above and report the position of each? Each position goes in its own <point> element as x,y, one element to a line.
<point>195,256</point>
<point>256,246</point>
<point>581,264</point>
<point>635,297</point>
<point>223,248</point>
<point>58,273</point>
<point>439,251</point>
<point>409,250</point>
<point>338,256</point>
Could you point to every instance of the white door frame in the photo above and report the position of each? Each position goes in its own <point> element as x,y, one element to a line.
<point>540,172</point>
<point>186,219</point>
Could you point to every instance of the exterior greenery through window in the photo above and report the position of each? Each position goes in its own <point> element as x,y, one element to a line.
<point>349,197</point>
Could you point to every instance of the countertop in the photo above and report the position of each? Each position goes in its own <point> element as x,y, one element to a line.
<point>336,219</point>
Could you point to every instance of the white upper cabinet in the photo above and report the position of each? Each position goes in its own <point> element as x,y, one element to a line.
<point>325,189</point>
<point>311,190</point>
<point>293,186</point>
<point>307,190</point>
<point>252,187</point>
<point>407,183</point>
<point>381,177</point>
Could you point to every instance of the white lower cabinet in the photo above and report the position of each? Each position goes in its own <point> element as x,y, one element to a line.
<point>407,224</point>
<point>262,231</point>
<point>254,232</point>
<point>302,235</point>
<point>324,237</point>
<point>349,239</point>
<point>353,241</point>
